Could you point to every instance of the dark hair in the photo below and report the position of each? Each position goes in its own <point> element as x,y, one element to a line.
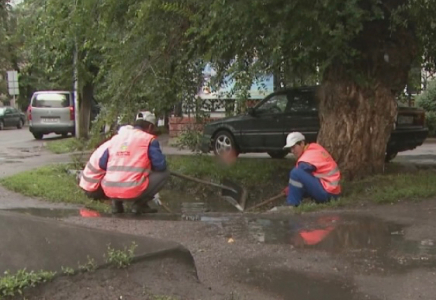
<point>143,124</point>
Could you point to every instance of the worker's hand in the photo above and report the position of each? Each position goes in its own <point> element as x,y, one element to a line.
<point>286,191</point>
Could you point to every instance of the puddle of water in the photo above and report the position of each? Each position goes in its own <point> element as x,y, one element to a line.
<point>352,235</point>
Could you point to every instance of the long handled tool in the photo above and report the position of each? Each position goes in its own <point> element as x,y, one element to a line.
<point>272,199</point>
<point>157,200</point>
<point>233,193</point>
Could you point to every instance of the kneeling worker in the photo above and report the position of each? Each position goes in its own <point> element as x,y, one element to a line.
<point>92,175</point>
<point>315,175</point>
<point>135,167</point>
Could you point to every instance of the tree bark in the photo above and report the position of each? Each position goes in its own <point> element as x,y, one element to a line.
<point>85,109</point>
<point>357,101</point>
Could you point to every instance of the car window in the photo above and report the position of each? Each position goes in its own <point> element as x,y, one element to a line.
<point>51,100</point>
<point>275,104</point>
<point>303,101</point>
<point>8,110</point>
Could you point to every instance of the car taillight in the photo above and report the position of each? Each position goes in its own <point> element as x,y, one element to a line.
<point>72,113</point>
<point>29,113</point>
<point>420,119</point>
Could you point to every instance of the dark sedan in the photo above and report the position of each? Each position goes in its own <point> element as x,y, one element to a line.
<point>11,117</point>
<point>264,127</point>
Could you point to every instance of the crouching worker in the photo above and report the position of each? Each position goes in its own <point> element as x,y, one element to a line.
<point>316,174</point>
<point>135,167</point>
<point>92,175</point>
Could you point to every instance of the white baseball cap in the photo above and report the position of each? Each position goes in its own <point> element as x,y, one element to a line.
<point>146,116</point>
<point>293,138</point>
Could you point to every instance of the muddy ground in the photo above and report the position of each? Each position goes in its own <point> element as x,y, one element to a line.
<point>377,252</point>
<point>163,279</point>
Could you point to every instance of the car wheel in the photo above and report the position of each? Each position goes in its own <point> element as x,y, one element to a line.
<point>20,124</point>
<point>2,125</point>
<point>390,156</point>
<point>278,154</point>
<point>64,135</point>
<point>224,143</point>
<point>38,136</point>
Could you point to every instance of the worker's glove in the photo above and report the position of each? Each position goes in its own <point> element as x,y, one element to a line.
<point>286,191</point>
<point>156,199</point>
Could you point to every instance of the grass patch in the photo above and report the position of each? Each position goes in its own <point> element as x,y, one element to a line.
<point>72,144</point>
<point>66,145</point>
<point>14,284</point>
<point>52,183</point>
<point>263,178</point>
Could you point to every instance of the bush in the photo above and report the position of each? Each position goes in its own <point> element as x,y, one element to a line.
<point>430,119</point>
<point>190,138</point>
<point>427,99</point>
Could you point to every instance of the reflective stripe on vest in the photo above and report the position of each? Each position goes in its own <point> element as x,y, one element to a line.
<point>128,165</point>
<point>92,174</point>
<point>326,168</point>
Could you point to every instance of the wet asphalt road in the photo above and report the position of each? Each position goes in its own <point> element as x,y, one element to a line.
<point>19,151</point>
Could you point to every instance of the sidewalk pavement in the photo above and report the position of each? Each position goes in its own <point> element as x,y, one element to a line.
<point>45,244</point>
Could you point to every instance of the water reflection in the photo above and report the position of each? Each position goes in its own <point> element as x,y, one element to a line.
<point>337,233</point>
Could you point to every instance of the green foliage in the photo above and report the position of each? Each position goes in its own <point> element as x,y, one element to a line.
<point>121,258</point>
<point>427,99</point>
<point>13,284</point>
<point>430,119</point>
<point>39,183</point>
<point>190,138</point>
<point>67,270</point>
<point>66,145</point>
<point>88,266</point>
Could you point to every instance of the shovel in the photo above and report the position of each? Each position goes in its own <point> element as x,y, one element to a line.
<point>263,203</point>
<point>235,194</point>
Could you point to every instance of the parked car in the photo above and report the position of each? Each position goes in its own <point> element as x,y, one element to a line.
<point>264,127</point>
<point>53,112</point>
<point>11,117</point>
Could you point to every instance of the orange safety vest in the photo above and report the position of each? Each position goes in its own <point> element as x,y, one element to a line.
<point>128,165</point>
<point>326,168</point>
<point>93,174</point>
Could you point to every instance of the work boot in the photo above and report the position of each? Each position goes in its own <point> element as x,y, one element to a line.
<point>142,208</point>
<point>117,207</point>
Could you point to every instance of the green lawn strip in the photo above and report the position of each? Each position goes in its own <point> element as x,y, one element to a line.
<point>52,183</point>
<point>65,145</point>
<point>262,177</point>
<point>72,144</point>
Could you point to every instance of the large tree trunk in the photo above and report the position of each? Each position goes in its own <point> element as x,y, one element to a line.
<point>85,109</point>
<point>357,100</point>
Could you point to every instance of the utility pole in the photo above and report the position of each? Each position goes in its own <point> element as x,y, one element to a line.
<point>76,78</point>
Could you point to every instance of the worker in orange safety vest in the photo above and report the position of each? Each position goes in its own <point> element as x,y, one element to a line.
<point>92,175</point>
<point>135,167</point>
<point>316,174</point>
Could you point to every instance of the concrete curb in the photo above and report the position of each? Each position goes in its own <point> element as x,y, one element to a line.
<point>37,243</point>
